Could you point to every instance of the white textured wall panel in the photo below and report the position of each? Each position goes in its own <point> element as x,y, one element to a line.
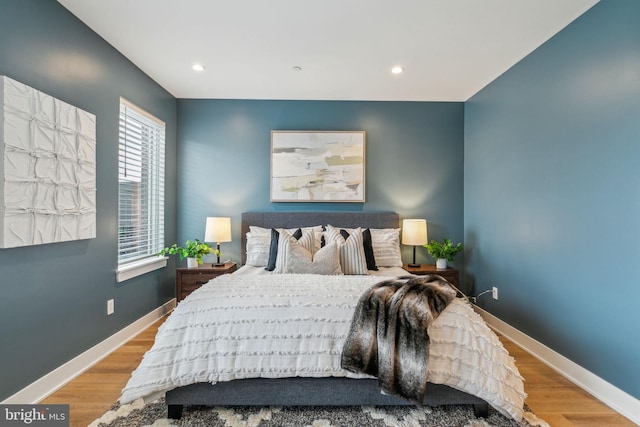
<point>48,169</point>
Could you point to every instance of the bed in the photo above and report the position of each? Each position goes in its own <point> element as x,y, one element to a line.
<point>303,385</point>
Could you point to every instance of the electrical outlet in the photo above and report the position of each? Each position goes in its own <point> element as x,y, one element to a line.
<point>495,292</point>
<point>110,307</point>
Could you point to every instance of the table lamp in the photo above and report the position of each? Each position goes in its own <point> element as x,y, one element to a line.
<point>218,230</point>
<point>414,232</point>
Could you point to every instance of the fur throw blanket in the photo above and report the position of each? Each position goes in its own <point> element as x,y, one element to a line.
<point>388,337</point>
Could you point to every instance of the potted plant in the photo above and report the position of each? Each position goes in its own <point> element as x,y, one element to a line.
<point>193,250</point>
<point>443,252</point>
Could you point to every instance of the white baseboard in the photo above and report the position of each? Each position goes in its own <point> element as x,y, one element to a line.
<point>54,380</point>
<point>604,391</point>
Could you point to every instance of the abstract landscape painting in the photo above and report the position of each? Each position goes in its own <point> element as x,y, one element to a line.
<point>317,166</point>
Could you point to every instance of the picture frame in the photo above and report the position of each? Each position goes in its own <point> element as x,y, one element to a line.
<point>318,166</point>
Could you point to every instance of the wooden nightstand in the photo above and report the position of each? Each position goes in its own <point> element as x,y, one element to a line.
<point>451,274</point>
<point>190,279</point>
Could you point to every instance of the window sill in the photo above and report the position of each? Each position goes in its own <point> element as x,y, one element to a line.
<point>138,268</point>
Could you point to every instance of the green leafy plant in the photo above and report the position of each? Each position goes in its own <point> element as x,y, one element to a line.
<point>191,249</point>
<point>445,250</point>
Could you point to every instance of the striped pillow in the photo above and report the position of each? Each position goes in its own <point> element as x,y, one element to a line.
<point>306,241</point>
<point>351,250</point>
<point>386,246</point>
<point>368,246</point>
<point>273,249</point>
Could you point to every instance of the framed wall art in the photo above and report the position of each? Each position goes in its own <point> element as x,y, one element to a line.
<point>48,168</point>
<point>317,166</point>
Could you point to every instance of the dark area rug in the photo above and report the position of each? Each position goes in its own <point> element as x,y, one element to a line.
<point>155,414</point>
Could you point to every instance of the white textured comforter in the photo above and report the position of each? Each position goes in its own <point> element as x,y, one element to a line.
<point>271,326</point>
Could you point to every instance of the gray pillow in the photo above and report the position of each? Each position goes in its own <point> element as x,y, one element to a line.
<point>300,261</point>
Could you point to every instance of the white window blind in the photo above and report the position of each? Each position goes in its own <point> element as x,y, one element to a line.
<point>140,185</point>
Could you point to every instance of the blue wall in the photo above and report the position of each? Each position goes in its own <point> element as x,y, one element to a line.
<point>552,193</point>
<point>414,160</point>
<point>54,296</point>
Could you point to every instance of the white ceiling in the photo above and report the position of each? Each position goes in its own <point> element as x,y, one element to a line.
<point>450,49</point>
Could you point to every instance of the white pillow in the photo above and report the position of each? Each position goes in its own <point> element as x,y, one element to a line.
<point>386,246</point>
<point>300,261</point>
<point>306,241</point>
<point>258,245</point>
<point>351,250</point>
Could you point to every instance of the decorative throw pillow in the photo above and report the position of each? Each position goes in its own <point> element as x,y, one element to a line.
<point>300,261</point>
<point>366,243</point>
<point>306,241</point>
<point>386,247</point>
<point>351,250</point>
<point>258,245</point>
<point>273,248</point>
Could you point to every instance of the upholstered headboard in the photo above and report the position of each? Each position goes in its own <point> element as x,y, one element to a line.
<point>310,219</point>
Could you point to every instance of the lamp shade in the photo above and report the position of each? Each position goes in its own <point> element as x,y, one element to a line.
<point>414,232</point>
<point>218,229</point>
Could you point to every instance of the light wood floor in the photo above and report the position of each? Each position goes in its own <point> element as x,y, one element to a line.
<point>550,396</point>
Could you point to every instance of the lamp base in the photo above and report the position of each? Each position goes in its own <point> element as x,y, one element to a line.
<point>414,264</point>
<point>218,264</point>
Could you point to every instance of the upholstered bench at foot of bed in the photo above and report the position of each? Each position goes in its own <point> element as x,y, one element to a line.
<point>308,392</point>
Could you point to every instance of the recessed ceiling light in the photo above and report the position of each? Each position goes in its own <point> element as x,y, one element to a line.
<point>397,69</point>
<point>197,67</point>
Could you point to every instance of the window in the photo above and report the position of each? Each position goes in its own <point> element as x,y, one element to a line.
<point>140,192</point>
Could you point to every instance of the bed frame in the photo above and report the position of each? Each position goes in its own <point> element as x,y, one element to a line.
<point>300,391</point>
